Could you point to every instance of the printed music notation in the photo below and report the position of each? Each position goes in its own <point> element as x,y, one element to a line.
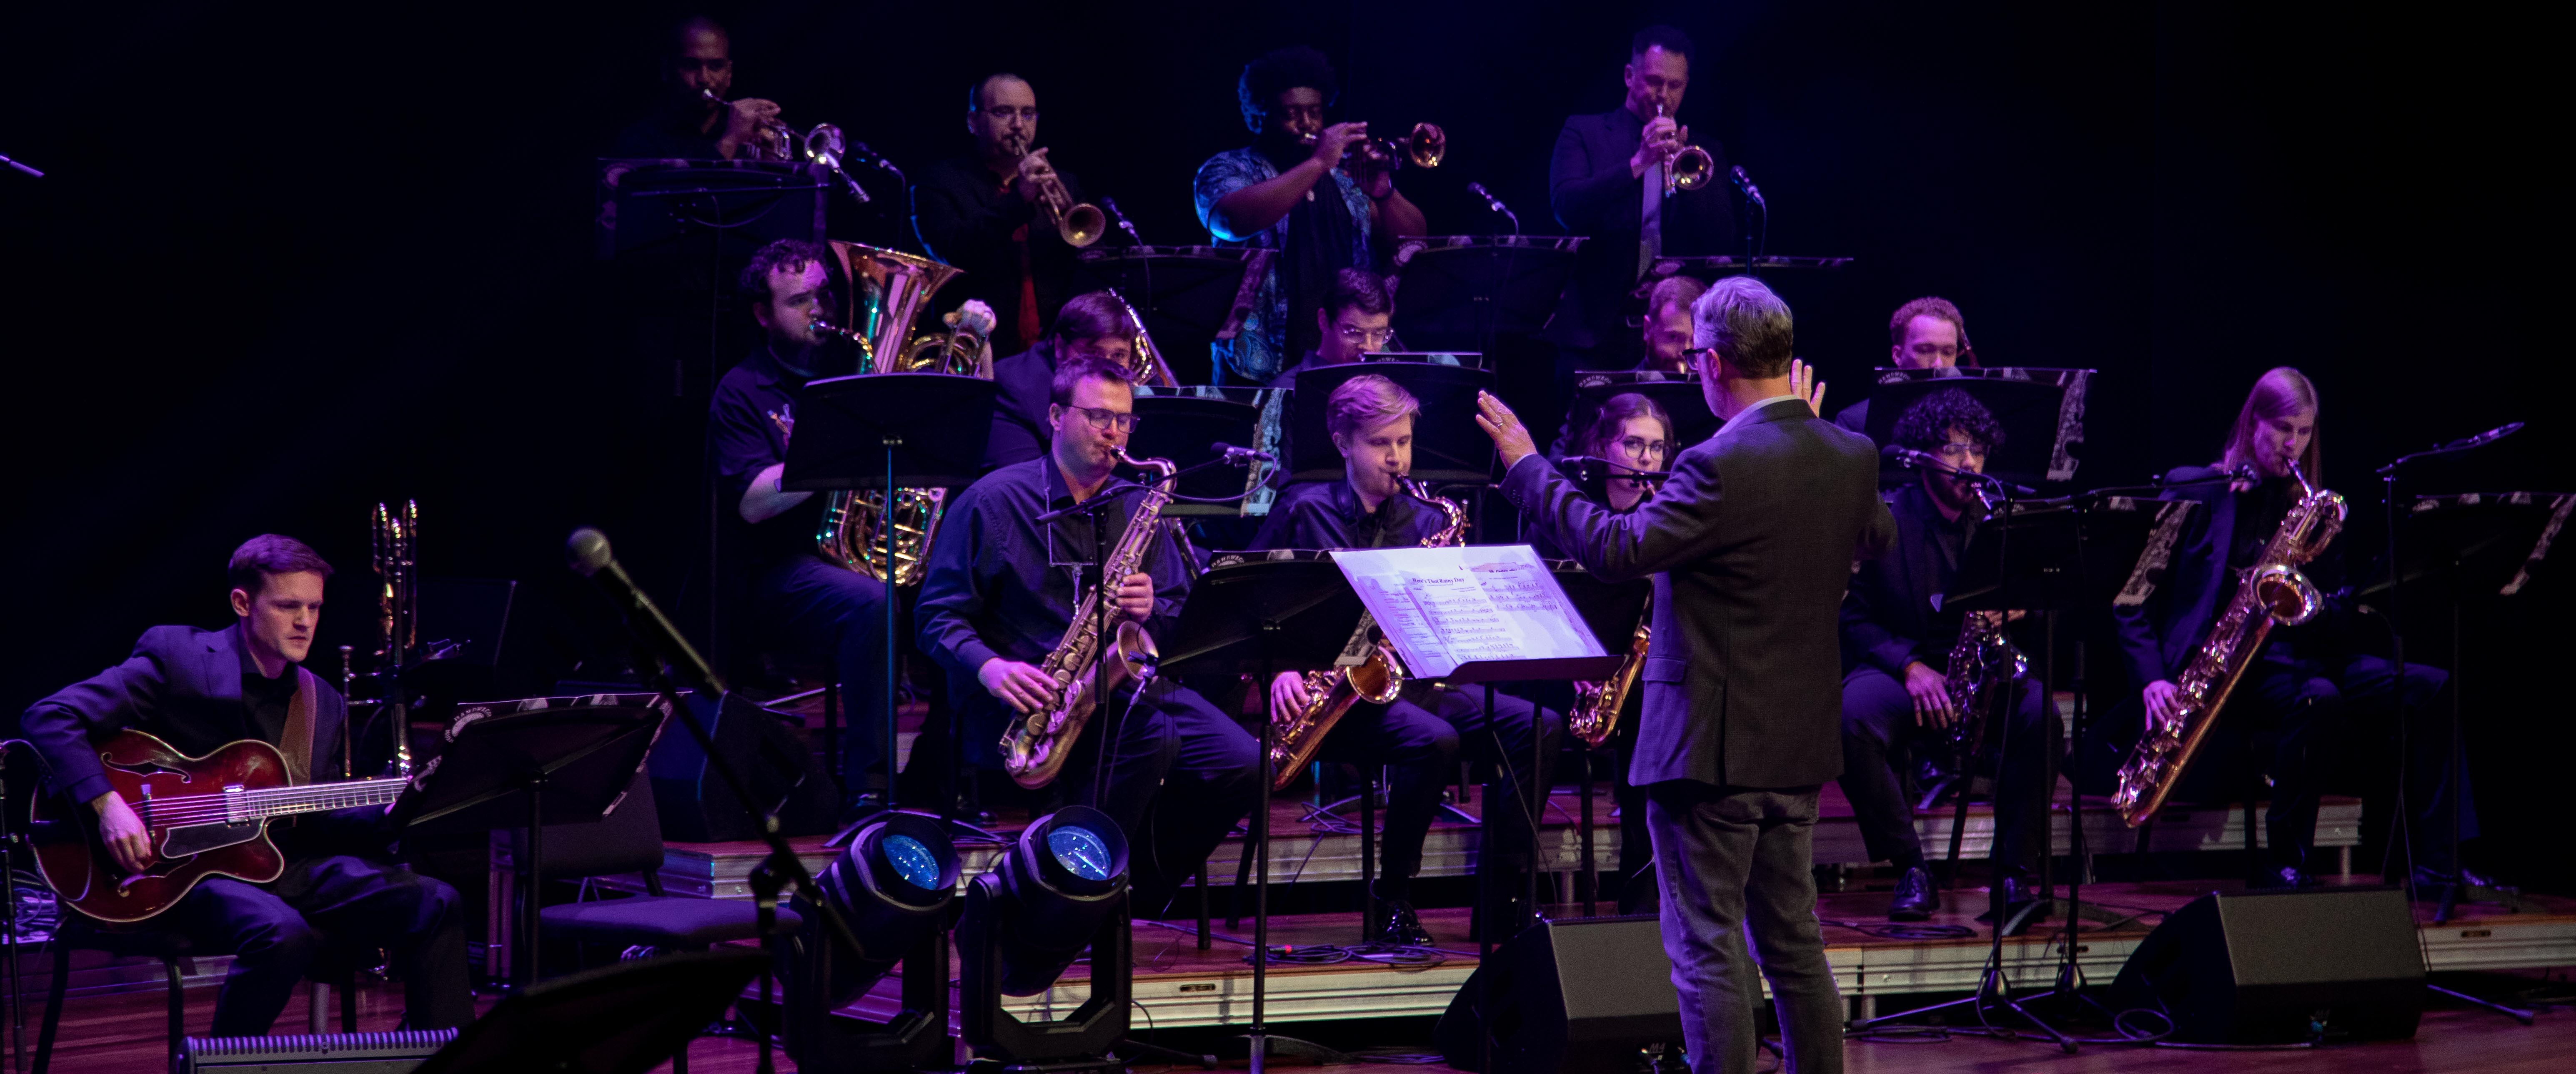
<point>1445,607</point>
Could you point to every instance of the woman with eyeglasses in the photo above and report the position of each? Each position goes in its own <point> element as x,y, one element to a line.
<point>1634,435</point>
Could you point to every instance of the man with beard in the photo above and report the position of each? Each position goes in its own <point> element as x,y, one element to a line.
<point>1291,191</point>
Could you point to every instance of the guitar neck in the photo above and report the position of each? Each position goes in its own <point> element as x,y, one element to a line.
<point>319,797</point>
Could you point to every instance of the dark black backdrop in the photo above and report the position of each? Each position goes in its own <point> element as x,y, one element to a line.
<point>290,264</point>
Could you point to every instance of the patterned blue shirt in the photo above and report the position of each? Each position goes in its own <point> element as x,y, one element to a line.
<point>1258,353</point>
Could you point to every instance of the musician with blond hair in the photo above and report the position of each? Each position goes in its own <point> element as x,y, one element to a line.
<point>1422,735</point>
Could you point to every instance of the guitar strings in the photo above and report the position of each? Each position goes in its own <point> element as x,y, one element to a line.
<point>270,801</point>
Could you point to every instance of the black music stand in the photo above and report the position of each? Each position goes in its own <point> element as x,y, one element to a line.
<point>1709,268</point>
<point>1188,296</point>
<point>889,431</point>
<point>1457,292</point>
<point>2465,548</point>
<point>2041,410</point>
<point>528,769</point>
<point>1448,448</point>
<point>1182,428</point>
<point>1251,614</point>
<point>1611,610</point>
<point>1679,395</point>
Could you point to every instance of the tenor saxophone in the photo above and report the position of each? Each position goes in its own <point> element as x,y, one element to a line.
<point>2272,591</point>
<point>1377,679</point>
<point>1035,748</point>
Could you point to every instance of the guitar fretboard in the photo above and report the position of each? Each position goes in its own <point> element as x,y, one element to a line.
<point>318,797</point>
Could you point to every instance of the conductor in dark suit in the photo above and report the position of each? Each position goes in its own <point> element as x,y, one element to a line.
<point>1751,543</point>
<point>1606,181</point>
<point>201,689</point>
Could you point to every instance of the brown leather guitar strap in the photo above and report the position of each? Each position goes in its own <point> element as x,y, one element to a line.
<point>297,741</point>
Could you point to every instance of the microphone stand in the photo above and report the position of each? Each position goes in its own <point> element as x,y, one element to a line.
<point>780,869</point>
<point>2455,883</point>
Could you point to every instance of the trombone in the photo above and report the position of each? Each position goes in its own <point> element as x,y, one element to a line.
<point>1690,167</point>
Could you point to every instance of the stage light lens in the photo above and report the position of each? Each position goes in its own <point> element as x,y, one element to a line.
<point>912,861</point>
<point>1080,851</point>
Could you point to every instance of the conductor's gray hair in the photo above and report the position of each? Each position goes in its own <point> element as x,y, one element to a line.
<point>1748,325</point>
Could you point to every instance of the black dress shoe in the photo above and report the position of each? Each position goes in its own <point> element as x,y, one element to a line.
<point>1915,900</point>
<point>1397,926</point>
<point>2016,894</point>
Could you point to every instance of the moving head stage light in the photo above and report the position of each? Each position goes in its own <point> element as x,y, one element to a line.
<point>1060,889</point>
<point>895,886</point>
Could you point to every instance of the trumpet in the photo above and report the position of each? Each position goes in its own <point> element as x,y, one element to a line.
<point>1079,224</point>
<point>1425,147</point>
<point>1690,167</point>
<point>821,145</point>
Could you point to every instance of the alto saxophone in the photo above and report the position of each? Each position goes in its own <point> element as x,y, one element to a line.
<point>2269,592</point>
<point>1035,748</point>
<point>1377,679</point>
<point>1597,704</point>
<point>1984,665</point>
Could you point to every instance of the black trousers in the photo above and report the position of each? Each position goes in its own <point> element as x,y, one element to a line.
<point>2318,711</point>
<point>1734,863</point>
<point>1175,773</point>
<point>1878,721</point>
<point>343,901</point>
<point>827,611</point>
<point>1421,737</point>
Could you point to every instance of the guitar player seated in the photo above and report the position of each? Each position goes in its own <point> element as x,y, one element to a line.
<point>200,689</point>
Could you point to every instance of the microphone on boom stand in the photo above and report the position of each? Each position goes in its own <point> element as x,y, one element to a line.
<point>588,549</point>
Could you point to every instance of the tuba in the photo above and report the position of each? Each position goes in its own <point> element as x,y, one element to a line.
<point>1376,678</point>
<point>1034,748</point>
<point>887,291</point>
<point>2271,591</point>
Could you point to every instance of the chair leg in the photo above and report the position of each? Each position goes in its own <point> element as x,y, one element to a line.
<point>53,1005</point>
<point>316,1004</point>
<point>349,1004</point>
<point>178,1009</point>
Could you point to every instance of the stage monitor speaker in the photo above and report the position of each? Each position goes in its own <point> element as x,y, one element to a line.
<point>2278,966</point>
<point>313,1053</point>
<point>781,772</point>
<point>1578,996</point>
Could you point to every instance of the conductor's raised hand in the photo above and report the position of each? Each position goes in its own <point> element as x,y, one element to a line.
<point>1804,385</point>
<point>1511,438</point>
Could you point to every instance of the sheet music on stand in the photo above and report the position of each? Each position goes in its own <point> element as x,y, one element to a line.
<point>1475,613</point>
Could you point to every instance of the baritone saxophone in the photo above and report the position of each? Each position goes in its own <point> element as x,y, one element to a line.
<point>2270,592</point>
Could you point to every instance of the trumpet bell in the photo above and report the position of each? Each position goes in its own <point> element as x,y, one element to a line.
<point>1427,146</point>
<point>1082,225</point>
<point>1692,168</point>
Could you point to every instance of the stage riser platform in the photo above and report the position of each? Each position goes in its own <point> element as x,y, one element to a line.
<point>722,870</point>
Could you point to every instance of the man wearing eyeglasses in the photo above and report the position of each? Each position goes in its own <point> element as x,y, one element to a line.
<point>1352,324</point>
<point>1896,650</point>
<point>1000,594</point>
<point>978,211</point>
<point>1092,326</point>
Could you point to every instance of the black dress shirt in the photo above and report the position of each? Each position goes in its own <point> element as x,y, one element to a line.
<point>1001,585</point>
<point>1892,615</point>
<point>745,435</point>
<point>1589,187</point>
<point>1328,514</point>
<point>973,220</point>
